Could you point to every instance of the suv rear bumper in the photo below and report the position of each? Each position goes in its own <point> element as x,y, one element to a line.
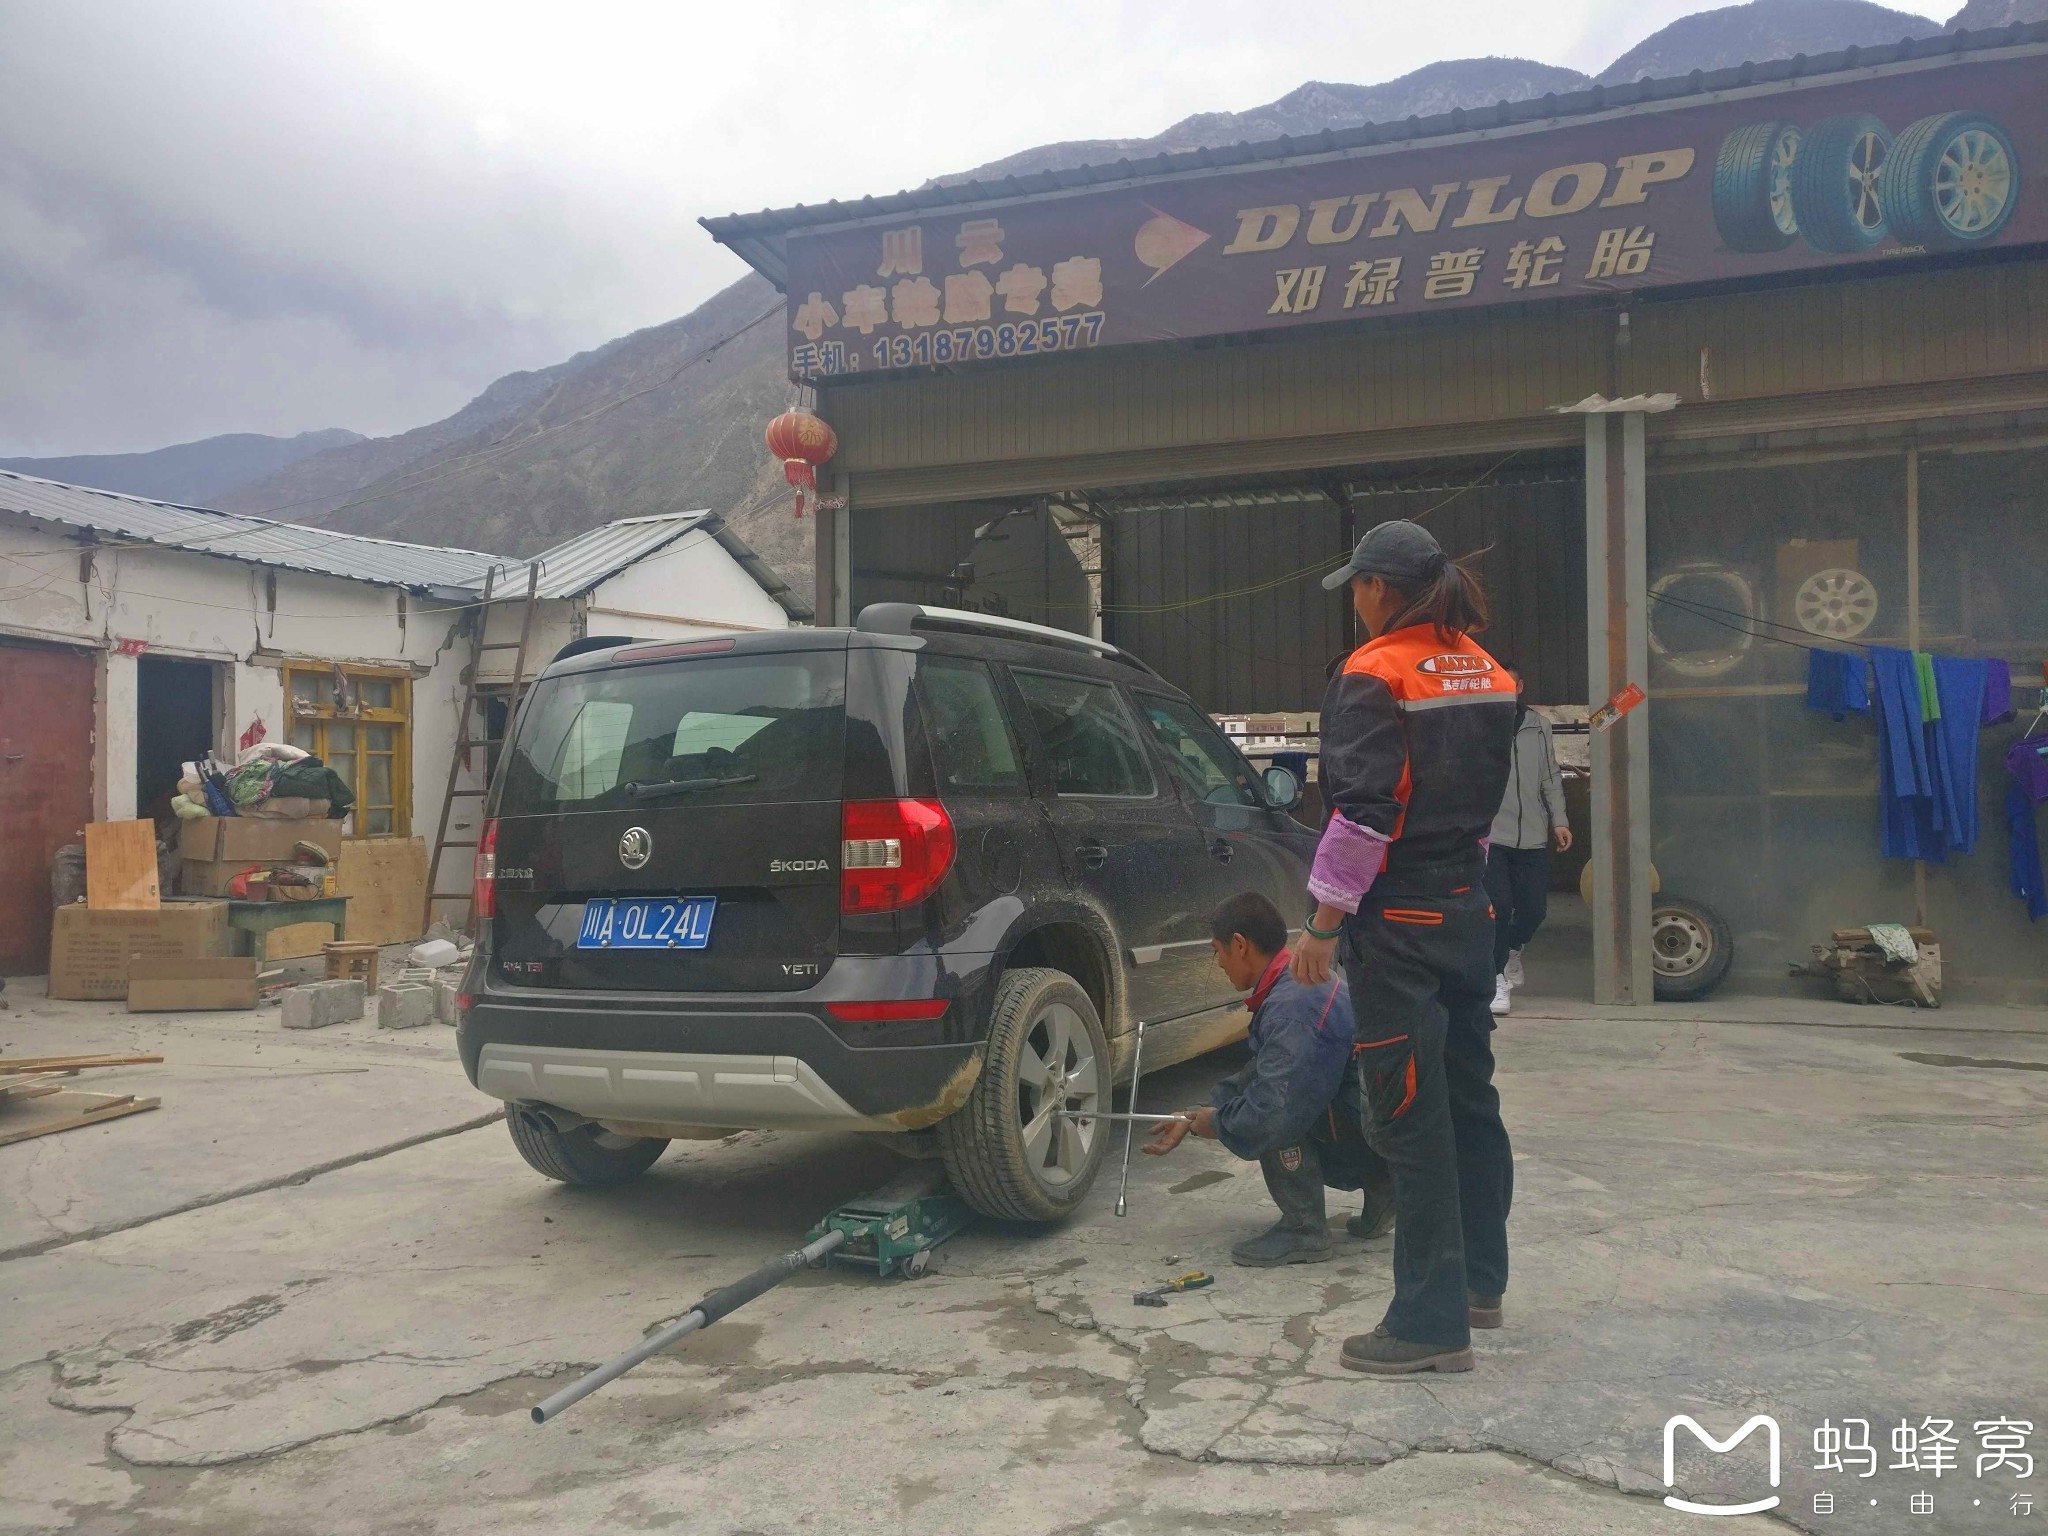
<point>738,1067</point>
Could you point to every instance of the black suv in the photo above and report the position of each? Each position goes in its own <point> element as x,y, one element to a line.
<point>920,877</point>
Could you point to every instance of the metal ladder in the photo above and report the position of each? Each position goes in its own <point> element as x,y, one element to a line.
<point>466,718</point>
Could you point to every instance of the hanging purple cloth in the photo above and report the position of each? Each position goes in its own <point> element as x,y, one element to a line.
<point>2027,761</point>
<point>1997,692</point>
<point>2028,881</point>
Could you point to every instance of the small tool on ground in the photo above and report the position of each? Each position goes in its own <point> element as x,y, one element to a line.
<point>1193,1280</point>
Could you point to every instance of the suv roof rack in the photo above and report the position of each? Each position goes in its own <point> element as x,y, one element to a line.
<point>903,618</point>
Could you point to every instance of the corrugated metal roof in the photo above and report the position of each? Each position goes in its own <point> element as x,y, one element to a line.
<point>759,238</point>
<point>425,568</point>
<point>576,565</point>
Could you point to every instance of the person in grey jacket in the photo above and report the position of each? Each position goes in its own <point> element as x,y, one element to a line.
<point>1530,822</point>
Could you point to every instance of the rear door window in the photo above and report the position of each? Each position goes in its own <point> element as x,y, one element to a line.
<point>714,731</point>
<point>1091,743</point>
<point>1207,767</point>
<point>972,748</point>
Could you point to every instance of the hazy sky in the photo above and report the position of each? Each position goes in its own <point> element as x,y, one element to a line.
<point>270,217</point>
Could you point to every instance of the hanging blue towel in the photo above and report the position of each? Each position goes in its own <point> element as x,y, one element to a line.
<point>1905,785</point>
<point>1952,747</point>
<point>2028,881</point>
<point>1834,683</point>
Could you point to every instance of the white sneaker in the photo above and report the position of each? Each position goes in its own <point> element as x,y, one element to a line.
<point>1513,972</point>
<point>1501,999</point>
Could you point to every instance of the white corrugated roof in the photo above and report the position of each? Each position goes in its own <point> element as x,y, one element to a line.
<point>579,563</point>
<point>294,546</point>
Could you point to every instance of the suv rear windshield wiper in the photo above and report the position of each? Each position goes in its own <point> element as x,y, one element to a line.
<point>639,791</point>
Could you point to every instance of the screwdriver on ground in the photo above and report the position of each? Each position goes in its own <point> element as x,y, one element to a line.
<point>1193,1280</point>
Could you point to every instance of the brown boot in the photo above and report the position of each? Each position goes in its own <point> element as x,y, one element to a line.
<point>1379,1353</point>
<point>1481,1310</point>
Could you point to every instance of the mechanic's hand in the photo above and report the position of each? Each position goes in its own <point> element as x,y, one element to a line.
<point>1562,836</point>
<point>1169,1135</point>
<point>1204,1118</point>
<point>1311,963</point>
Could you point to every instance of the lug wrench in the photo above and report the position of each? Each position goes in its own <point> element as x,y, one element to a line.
<point>1123,1194</point>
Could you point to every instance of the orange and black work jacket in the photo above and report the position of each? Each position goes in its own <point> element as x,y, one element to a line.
<point>1418,734</point>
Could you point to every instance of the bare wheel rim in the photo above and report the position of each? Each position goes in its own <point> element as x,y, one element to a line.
<point>1865,161</point>
<point>1972,182</point>
<point>1782,155</point>
<point>1838,603</point>
<point>1057,1069</point>
<point>1679,943</point>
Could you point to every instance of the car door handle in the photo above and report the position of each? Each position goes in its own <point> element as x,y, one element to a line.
<point>1092,855</point>
<point>1221,851</point>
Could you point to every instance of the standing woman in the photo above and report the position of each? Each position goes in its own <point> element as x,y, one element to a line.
<point>1417,732</point>
<point>1532,818</point>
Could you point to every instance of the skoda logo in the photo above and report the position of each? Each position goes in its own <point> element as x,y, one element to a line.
<point>635,848</point>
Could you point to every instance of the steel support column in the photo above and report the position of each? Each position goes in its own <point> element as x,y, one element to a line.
<point>1617,631</point>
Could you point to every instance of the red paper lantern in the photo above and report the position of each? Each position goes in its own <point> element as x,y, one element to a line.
<point>803,441</point>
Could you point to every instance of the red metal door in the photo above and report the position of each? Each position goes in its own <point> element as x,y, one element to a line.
<point>45,787</point>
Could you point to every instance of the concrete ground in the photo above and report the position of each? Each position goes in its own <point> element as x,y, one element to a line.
<point>311,1293</point>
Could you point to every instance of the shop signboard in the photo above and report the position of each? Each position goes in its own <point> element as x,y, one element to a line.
<point>1935,156</point>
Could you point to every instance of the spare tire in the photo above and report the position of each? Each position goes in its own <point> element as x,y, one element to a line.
<point>1690,948</point>
<point>1752,191</point>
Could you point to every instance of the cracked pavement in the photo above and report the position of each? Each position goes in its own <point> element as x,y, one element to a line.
<point>1714,1217</point>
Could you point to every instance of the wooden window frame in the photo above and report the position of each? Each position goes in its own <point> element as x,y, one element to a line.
<point>398,717</point>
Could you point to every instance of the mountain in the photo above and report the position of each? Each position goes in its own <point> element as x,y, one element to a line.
<point>189,472</point>
<point>671,416</point>
<point>1763,29</point>
<point>1305,110</point>
<point>1984,15</point>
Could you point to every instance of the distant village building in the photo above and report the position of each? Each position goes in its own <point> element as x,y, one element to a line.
<point>136,635</point>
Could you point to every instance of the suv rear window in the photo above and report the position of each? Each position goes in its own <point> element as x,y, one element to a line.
<point>729,730</point>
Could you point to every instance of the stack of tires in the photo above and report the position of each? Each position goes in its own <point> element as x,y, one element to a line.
<point>1947,182</point>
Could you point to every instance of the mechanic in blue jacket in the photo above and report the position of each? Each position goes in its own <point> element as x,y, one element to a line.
<point>1294,1107</point>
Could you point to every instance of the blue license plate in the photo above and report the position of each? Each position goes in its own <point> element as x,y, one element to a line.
<point>647,922</point>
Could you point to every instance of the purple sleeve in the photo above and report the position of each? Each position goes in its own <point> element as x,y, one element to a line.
<point>1348,860</point>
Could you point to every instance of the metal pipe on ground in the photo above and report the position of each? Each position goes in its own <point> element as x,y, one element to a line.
<point>708,1311</point>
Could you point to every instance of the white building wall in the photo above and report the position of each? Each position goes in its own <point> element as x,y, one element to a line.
<point>204,608</point>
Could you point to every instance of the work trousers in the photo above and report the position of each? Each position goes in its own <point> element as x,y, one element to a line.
<point>1518,880</point>
<point>1333,1155</point>
<point>1418,956</point>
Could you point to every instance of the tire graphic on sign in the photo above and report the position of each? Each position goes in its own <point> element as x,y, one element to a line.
<point>1752,191</point>
<point>1835,177</point>
<point>1951,180</point>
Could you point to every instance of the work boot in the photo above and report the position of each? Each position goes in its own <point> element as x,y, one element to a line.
<point>1379,1353</point>
<point>1502,1000</point>
<point>1282,1244</point>
<point>1482,1310</point>
<point>1377,1219</point>
<point>1513,969</point>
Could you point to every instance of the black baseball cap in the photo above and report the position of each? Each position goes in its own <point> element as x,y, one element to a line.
<point>1404,551</point>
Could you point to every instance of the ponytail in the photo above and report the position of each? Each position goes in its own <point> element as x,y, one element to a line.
<point>1452,601</point>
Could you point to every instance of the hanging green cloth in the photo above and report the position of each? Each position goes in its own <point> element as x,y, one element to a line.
<point>1930,696</point>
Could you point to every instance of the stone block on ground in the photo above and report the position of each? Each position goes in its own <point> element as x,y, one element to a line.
<point>404,1005</point>
<point>321,1003</point>
<point>445,993</point>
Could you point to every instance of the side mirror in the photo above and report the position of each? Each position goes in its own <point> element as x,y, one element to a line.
<point>1283,789</point>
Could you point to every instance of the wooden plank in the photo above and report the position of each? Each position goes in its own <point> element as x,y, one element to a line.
<point>120,867</point>
<point>67,1112</point>
<point>35,1087</point>
<point>69,1063</point>
<point>380,875</point>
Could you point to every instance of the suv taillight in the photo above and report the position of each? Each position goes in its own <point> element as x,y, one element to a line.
<point>894,853</point>
<point>483,893</point>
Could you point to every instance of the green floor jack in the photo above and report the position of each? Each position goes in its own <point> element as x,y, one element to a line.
<point>891,1231</point>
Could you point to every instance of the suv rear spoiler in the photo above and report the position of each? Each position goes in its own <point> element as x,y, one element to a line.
<point>906,618</point>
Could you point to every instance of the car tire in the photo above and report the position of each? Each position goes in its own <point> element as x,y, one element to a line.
<point>1950,182</point>
<point>1835,180</point>
<point>1752,191</point>
<point>1006,1154</point>
<point>589,1154</point>
<point>1690,948</point>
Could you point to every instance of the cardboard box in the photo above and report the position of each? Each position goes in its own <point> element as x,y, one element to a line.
<point>246,840</point>
<point>179,984</point>
<point>89,951</point>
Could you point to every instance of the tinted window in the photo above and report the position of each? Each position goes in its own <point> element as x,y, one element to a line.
<point>972,748</point>
<point>1207,767</point>
<point>750,728</point>
<point>1091,743</point>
